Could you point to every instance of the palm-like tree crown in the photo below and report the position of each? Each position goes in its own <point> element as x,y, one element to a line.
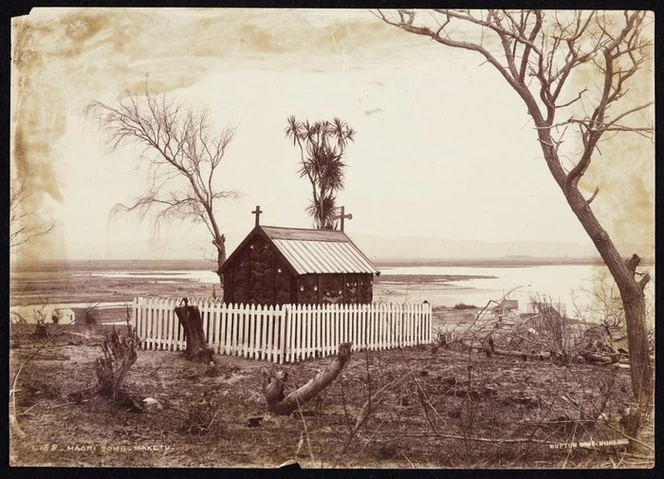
<point>322,146</point>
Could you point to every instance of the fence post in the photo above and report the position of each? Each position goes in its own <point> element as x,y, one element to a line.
<point>160,320</point>
<point>334,328</point>
<point>270,316</point>
<point>353,326</point>
<point>169,325</point>
<point>252,333</point>
<point>264,327</point>
<point>205,314</point>
<point>239,326</point>
<point>224,318</point>
<point>392,315</point>
<point>282,334</point>
<point>370,325</point>
<point>319,321</point>
<point>297,333</point>
<point>232,329</point>
<point>420,318</point>
<point>144,322</point>
<point>246,327</point>
<point>255,332</point>
<point>394,322</point>
<point>290,311</point>
<point>249,317</point>
<point>134,316</point>
<point>307,331</point>
<point>166,324</point>
<point>429,322</point>
<point>151,322</point>
<point>213,333</point>
<point>328,328</point>
<point>409,326</point>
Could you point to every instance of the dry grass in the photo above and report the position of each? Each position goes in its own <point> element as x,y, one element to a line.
<point>454,410</point>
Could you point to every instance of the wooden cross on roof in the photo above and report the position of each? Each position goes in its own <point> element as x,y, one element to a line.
<point>342,216</point>
<point>257,212</point>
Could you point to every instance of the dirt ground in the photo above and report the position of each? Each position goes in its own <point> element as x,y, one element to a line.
<point>453,409</point>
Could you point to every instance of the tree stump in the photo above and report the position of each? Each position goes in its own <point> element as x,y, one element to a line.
<point>197,348</point>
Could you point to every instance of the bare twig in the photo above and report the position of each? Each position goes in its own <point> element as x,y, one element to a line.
<point>13,390</point>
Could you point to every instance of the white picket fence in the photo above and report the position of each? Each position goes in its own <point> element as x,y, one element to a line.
<point>287,333</point>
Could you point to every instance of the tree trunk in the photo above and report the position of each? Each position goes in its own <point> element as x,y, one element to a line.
<point>220,244</point>
<point>631,294</point>
<point>273,387</point>
<point>623,272</point>
<point>637,341</point>
<point>190,319</point>
<point>631,291</point>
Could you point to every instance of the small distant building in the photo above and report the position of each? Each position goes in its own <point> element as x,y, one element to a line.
<point>275,265</point>
<point>536,307</point>
<point>62,315</point>
<point>509,304</point>
<point>507,307</point>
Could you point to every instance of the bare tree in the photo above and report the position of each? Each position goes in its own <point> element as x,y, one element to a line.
<point>322,147</point>
<point>538,54</point>
<point>23,225</point>
<point>182,154</point>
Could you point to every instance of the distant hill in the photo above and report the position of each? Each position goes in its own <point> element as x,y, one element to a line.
<point>432,248</point>
<point>377,248</point>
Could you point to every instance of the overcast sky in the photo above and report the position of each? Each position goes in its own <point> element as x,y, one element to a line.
<point>444,148</point>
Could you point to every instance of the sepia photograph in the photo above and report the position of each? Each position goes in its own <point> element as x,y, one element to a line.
<point>332,238</point>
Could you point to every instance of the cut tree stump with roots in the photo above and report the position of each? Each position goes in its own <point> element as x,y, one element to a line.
<point>197,348</point>
<point>120,353</point>
<point>273,385</point>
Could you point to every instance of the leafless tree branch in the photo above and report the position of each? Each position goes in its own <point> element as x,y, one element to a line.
<point>24,226</point>
<point>182,153</point>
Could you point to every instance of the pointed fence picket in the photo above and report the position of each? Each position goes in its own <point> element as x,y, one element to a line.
<point>286,333</point>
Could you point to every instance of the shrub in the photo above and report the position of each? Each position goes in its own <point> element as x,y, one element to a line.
<point>464,306</point>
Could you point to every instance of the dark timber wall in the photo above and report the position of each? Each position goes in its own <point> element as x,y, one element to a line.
<point>259,275</point>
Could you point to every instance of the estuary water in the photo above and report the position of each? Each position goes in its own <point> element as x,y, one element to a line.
<point>572,286</point>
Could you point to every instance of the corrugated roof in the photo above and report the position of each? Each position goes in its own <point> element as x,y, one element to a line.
<point>275,233</point>
<point>319,251</point>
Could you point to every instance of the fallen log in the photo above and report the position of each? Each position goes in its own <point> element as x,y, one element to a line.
<point>521,354</point>
<point>273,385</point>
<point>601,359</point>
<point>516,354</point>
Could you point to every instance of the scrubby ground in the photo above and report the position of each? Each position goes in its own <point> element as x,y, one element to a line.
<point>439,408</point>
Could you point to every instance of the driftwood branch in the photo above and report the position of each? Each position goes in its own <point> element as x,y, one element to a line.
<point>503,352</point>
<point>273,385</point>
